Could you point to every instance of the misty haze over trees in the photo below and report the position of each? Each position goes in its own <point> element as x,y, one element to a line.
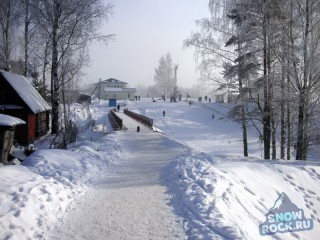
<point>270,54</point>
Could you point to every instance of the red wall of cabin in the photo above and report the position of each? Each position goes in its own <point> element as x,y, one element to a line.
<point>31,128</point>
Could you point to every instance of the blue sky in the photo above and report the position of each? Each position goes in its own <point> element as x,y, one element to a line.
<point>145,30</point>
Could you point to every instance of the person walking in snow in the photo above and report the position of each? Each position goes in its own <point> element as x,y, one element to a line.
<point>118,107</point>
<point>164,113</point>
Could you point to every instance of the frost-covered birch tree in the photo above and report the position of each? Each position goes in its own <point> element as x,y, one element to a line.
<point>272,52</point>
<point>10,11</point>
<point>164,76</point>
<point>305,62</point>
<point>220,44</point>
<point>70,25</point>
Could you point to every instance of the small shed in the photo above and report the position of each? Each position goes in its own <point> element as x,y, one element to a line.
<point>84,99</point>
<point>112,102</point>
<point>7,128</point>
<point>18,98</point>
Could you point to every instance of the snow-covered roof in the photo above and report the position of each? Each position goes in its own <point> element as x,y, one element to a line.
<point>26,91</point>
<point>112,80</point>
<point>119,89</point>
<point>6,120</point>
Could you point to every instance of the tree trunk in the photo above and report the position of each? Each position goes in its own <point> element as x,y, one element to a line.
<point>7,40</point>
<point>300,135</point>
<point>302,131</point>
<point>266,90</point>
<point>306,130</point>
<point>54,70</point>
<point>270,94</point>
<point>288,131</point>
<point>283,115</point>
<point>243,112</point>
<point>26,38</point>
<point>273,136</point>
<point>45,63</point>
<point>244,132</point>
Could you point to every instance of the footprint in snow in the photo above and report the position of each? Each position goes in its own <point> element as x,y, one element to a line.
<point>307,196</point>
<point>17,213</point>
<point>312,192</point>
<point>289,176</point>
<point>295,235</point>
<point>249,190</point>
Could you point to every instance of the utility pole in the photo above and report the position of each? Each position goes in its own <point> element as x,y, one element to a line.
<point>175,88</point>
<point>99,90</point>
<point>175,67</point>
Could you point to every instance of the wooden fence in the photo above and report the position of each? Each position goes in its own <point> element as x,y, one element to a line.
<point>140,118</point>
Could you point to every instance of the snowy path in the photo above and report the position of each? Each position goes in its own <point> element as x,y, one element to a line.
<point>131,202</point>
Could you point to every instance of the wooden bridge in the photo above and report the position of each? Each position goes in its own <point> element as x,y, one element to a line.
<point>128,120</point>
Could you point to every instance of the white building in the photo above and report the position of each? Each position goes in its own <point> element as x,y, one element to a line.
<point>114,89</point>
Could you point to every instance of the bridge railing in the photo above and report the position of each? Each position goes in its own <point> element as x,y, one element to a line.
<point>116,121</point>
<point>140,118</point>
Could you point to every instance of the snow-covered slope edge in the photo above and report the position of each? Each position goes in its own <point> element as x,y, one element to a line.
<point>34,196</point>
<point>229,199</point>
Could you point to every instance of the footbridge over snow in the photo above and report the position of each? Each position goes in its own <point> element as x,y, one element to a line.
<point>129,121</point>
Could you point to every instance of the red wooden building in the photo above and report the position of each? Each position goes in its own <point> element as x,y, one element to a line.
<point>20,99</point>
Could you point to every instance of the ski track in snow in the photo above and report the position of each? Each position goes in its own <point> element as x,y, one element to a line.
<point>131,202</point>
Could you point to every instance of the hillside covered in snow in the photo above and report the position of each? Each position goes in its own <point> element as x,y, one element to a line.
<point>217,193</point>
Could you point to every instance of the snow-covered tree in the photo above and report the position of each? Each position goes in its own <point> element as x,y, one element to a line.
<point>164,76</point>
<point>70,26</point>
<point>219,44</point>
<point>271,54</point>
<point>10,11</point>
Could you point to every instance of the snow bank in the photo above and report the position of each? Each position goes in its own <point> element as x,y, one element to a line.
<point>33,197</point>
<point>229,199</point>
<point>29,203</point>
<point>36,194</point>
<point>220,194</point>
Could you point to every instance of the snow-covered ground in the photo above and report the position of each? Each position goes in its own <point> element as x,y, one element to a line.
<point>212,189</point>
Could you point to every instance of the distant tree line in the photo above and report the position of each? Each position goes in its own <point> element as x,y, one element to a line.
<point>48,40</point>
<point>270,53</point>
